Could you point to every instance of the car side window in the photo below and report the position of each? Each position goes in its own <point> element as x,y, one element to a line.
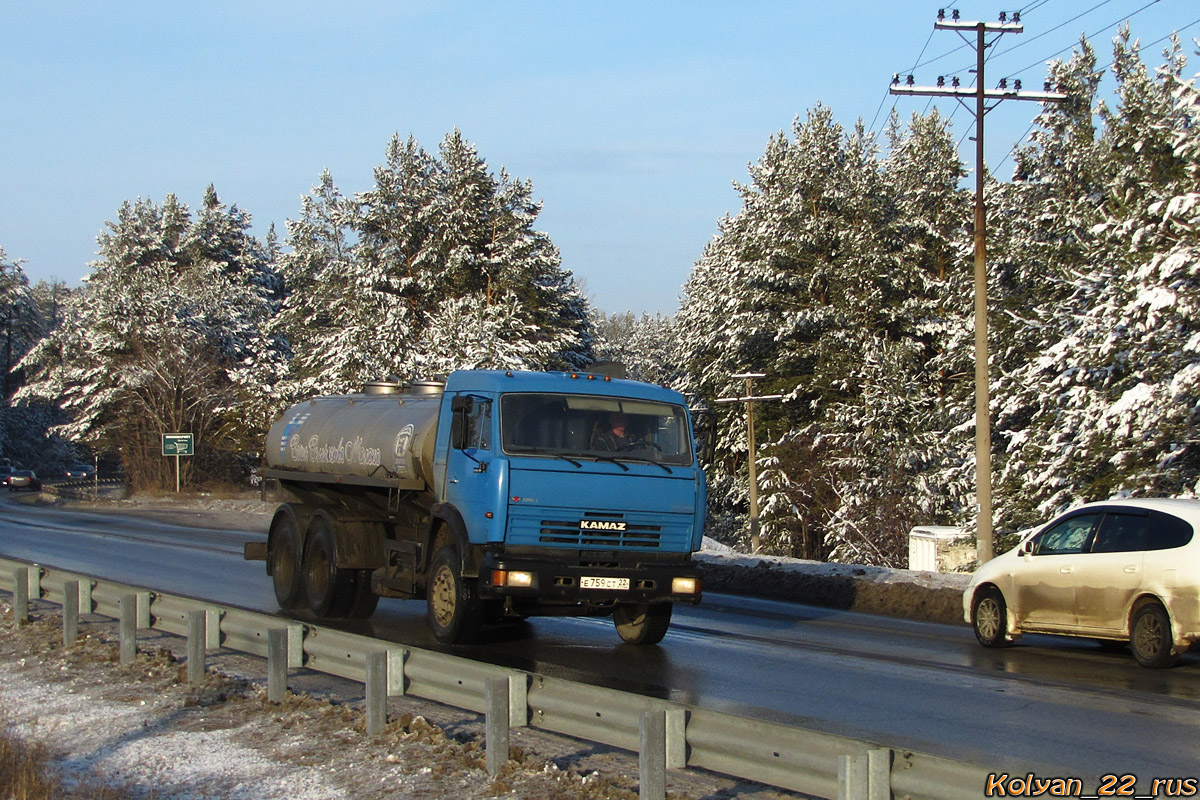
<point>1167,531</point>
<point>1068,536</point>
<point>1121,533</point>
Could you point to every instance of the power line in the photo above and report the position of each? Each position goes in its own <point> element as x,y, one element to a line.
<point>1092,35</point>
<point>883,100</point>
<point>1159,40</point>
<point>1033,124</point>
<point>1033,7</point>
<point>1056,27</point>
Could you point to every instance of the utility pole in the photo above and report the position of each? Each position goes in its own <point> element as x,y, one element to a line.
<point>749,401</point>
<point>983,424</point>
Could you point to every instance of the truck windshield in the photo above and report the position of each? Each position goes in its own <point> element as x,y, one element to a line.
<point>589,426</point>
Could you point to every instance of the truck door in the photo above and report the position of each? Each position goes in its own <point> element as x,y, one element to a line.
<point>470,482</point>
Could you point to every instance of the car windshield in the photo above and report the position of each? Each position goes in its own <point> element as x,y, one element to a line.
<point>589,426</point>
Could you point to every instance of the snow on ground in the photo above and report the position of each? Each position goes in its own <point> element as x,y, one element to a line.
<point>141,728</point>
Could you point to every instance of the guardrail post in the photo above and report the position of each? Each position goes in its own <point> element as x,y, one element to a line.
<point>128,635</point>
<point>676,738</point>
<point>496,721</point>
<point>70,612</point>
<point>85,597</point>
<point>852,778</point>
<point>395,671</point>
<point>652,756</point>
<point>277,664</point>
<point>197,646</point>
<point>20,595</point>
<point>35,582</point>
<point>377,691</point>
<point>879,768</point>
<point>865,776</point>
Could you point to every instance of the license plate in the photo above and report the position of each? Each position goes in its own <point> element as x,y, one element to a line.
<point>591,582</point>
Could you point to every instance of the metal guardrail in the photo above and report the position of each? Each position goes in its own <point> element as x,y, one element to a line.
<point>80,488</point>
<point>797,759</point>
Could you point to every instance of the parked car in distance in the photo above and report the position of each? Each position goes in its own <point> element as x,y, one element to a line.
<point>1118,571</point>
<point>5,473</point>
<point>24,479</point>
<point>80,470</point>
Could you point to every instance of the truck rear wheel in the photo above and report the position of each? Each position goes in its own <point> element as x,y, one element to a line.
<point>330,589</point>
<point>642,623</point>
<point>451,602</point>
<point>285,564</point>
<point>365,600</point>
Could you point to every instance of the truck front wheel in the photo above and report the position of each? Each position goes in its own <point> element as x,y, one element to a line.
<point>452,606</point>
<point>330,590</point>
<point>642,623</point>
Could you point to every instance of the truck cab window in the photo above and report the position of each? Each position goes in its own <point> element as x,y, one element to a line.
<point>598,426</point>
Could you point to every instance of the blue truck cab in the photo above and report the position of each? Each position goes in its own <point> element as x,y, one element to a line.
<point>563,516</point>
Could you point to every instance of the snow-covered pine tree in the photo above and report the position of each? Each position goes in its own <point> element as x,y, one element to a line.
<point>1038,228</point>
<point>149,346</point>
<point>793,286</point>
<point>438,240</point>
<point>29,312</point>
<point>1118,389</point>
<point>647,345</point>
<point>18,316</point>
<point>318,273</point>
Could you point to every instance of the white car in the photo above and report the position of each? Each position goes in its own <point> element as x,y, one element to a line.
<point>1117,571</point>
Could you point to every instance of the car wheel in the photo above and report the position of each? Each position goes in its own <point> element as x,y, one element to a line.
<point>1150,637</point>
<point>285,565</point>
<point>989,618</point>
<point>642,623</point>
<point>450,600</point>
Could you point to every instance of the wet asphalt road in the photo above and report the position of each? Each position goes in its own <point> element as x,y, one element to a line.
<point>1053,706</point>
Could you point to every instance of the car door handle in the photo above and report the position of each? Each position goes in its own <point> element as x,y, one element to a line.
<point>1066,570</point>
<point>1131,568</point>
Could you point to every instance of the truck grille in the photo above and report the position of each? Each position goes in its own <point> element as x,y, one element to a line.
<point>557,527</point>
<point>567,532</point>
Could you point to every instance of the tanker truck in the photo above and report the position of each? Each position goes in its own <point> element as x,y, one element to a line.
<point>492,495</point>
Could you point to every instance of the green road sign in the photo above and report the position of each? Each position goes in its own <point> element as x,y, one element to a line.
<point>178,444</point>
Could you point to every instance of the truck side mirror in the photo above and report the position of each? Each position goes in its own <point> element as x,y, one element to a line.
<point>704,424</point>
<point>462,404</point>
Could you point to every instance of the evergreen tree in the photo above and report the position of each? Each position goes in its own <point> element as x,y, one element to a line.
<point>374,281</point>
<point>1116,391</point>
<point>646,345</point>
<point>18,317</point>
<point>833,281</point>
<point>156,342</point>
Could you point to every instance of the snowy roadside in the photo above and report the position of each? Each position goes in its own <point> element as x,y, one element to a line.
<point>143,730</point>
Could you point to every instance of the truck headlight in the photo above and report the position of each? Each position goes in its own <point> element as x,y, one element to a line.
<point>520,580</point>
<point>685,585</point>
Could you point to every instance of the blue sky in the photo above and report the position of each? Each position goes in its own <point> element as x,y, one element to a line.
<point>631,119</point>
